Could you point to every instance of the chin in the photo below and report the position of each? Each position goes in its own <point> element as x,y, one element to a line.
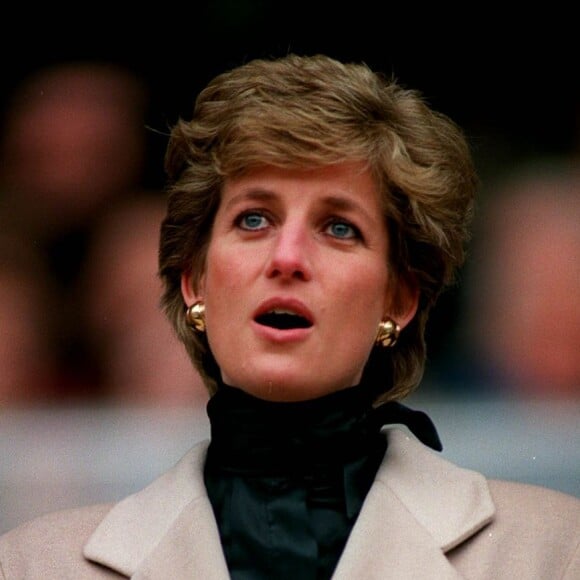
<point>288,390</point>
<point>288,382</point>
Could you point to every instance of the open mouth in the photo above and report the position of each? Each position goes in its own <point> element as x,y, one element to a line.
<point>283,320</point>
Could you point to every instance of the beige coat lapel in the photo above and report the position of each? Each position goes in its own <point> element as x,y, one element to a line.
<point>191,549</point>
<point>419,507</point>
<point>166,530</point>
<point>387,542</point>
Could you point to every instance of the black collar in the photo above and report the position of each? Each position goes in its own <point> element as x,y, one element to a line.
<point>253,436</point>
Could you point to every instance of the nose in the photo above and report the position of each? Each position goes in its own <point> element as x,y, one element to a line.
<point>290,255</point>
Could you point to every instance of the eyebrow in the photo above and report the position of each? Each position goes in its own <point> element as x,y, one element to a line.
<point>344,204</point>
<point>336,202</point>
<point>251,194</point>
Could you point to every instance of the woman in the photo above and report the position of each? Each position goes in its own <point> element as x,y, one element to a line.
<point>316,211</point>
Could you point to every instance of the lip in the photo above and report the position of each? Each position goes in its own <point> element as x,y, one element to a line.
<point>281,335</point>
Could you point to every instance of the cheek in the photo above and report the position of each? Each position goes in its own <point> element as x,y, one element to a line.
<point>359,308</point>
<point>221,271</point>
<point>369,290</point>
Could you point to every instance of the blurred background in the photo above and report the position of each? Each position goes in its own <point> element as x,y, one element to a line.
<point>96,395</point>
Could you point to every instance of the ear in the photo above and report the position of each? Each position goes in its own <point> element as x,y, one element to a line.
<point>402,304</point>
<point>191,291</point>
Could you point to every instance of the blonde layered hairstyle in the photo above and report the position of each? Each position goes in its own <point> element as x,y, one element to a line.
<point>307,112</point>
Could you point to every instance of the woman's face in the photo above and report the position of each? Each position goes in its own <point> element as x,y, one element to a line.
<point>296,280</point>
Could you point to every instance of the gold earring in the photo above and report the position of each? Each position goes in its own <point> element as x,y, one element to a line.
<point>388,333</point>
<point>195,316</point>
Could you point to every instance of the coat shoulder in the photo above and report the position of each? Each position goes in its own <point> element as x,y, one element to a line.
<point>535,533</point>
<point>51,545</point>
<point>532,500</point>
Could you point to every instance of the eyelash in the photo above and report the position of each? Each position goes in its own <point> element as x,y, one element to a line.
<point>356,233</point>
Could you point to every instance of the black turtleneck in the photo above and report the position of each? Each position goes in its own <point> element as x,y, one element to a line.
<point>287,480</point>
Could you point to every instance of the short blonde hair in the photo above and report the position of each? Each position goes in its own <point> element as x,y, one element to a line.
<point>313,111</point>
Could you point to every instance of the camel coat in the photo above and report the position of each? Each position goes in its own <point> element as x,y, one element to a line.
<point>423,518</point>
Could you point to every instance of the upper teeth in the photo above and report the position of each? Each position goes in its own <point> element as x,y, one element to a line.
<point>282,311</point>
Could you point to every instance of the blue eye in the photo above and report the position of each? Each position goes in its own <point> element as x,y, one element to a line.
<point>252,221</point>
<point>343,230</point>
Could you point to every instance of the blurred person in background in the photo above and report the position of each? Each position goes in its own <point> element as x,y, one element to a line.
<point>73,140</point>
<point>522,318</point>
<point>138,355</point>
<point>28,373</point>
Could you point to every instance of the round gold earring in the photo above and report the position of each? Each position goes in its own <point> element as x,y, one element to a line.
<point>195,316</point>
<point>388,333</point>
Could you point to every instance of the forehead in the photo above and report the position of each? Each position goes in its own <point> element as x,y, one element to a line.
<point>338,183</point>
